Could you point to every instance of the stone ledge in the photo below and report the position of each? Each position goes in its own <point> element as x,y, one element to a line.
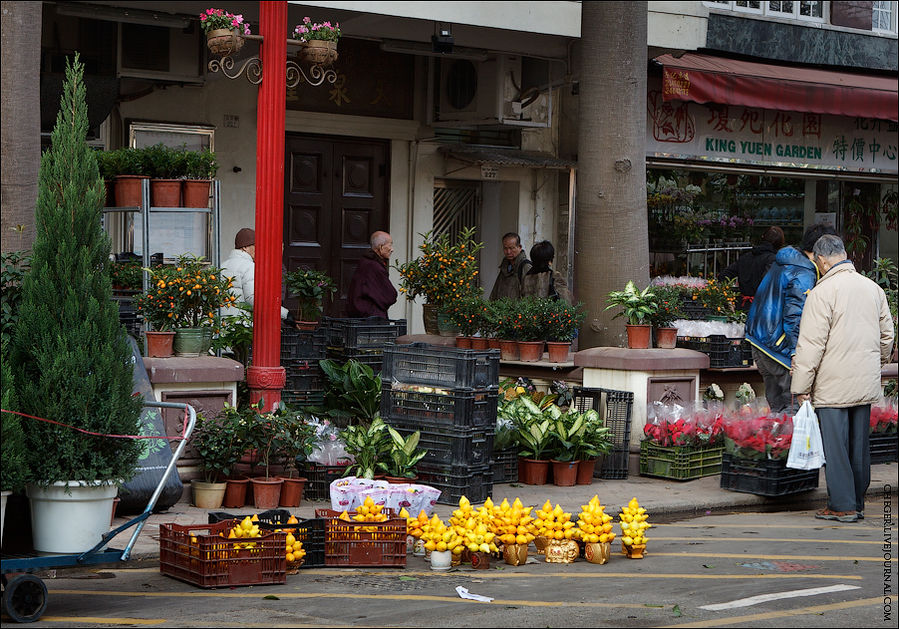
<point>205,369</point>
<point>625,359</point>
<point>430,339</point>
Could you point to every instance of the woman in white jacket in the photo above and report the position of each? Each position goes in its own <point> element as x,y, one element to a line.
<point>241,265</point>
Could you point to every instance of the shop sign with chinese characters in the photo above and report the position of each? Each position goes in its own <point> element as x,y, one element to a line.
<point>749,135</point>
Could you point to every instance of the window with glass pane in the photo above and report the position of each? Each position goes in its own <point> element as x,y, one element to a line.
<point>882,16</point>
<point>780,7</point>
<point>749,5</point>
<point>811,9</point>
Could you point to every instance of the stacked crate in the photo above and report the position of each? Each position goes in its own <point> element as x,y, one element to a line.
<point>301,351</point>
<point>723,352</point>
<point>362,340</point>
<point>450,396</point>
<point>614,408</point>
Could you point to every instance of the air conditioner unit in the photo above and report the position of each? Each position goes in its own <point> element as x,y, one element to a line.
<point>482,93</point>
<point>160,53</point>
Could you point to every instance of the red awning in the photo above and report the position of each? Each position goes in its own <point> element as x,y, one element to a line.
<point>705,79</point>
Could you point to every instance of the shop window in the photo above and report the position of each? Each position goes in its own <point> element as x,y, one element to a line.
<point>807,10</point>
<point>883,18</point>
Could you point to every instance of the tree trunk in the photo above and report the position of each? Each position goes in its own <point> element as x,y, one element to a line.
<point>611,239</point>
<point>20,122</point>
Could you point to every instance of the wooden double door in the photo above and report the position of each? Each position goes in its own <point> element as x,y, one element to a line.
<point>336,195</point>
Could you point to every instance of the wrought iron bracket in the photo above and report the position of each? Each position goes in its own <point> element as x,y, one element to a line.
<point>296,74</point>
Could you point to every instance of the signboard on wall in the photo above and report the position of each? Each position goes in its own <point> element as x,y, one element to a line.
<point>749,135</point>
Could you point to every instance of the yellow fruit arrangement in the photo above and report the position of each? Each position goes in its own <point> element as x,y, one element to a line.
<point>416,526</point>
<point>633,524</point>
<point>513,524</point>
<point>474,527</point>
<point>593,524</point>
<point>554,523</point>
<point>248,528</point>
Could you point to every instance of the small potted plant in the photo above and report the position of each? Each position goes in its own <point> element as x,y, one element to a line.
<point>367,445</point>
<point>531,328</point>
<point>127,165</point>
<point>267,435</point>
<point>199,170</point>
<point>13,467</point>
<point>561,321</point>
<point>468,315</point>
<point>297,442</point>
<point>319,41</point>
<point>220,442</point>
<point>225,31</point>
<point>506,325</point>
<point>310,287</point>
<point>401,457</point>
<point>637,307</point>
<point>165,167</point>
<point>535,440</point>
<point>669,302</point>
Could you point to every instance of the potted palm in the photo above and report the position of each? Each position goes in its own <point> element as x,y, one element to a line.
<point>220,442</point>
<point>199,170</point>
<point>310,287</point>
<point>401,457</point>
<point>319,41</point>
<point>637,307</point>
<point>70,361</point>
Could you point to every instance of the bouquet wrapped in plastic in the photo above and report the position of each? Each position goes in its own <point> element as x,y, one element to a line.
<point>688,425</point>
<point>754,434</point>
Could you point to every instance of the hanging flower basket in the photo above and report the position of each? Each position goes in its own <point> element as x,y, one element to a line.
<point>318,52</point>
<point>224,42</point>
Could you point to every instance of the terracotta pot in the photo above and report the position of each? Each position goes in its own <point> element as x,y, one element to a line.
<point>235,493</point>
<point>638,336</point>
<point>400,480</point>
<point>115,504</point>
<point>479,342</point>
<point>266,492</point>
<point>208,495</point>
<point>307,325</point>
<point>530,351</point>
<point>493,343</point>
<point>160,344</point>
<point>195,192</point>
<point>463,342</point>
<point>165,192</point>
<point>292,491</point>
<point>128,190</point>
<point>558,351</point>
<point>666,338</point>
<point>564,473</point>
<point>585,471</point>
<point>508,350</point>
<point>429,314</point>
<point>534,471</point>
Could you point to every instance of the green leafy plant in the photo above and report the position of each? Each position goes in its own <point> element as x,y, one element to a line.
<point>353,391</point>
<point>367,445</point>
<point>127,275</point>
<point>402,454</point>
<point>310,287</point>
<point>267,435</point>
<point>163,162</point>
<point>469,314</point>
<point>13,266</point>
<point>220,442</point>
<point>505,435</point>
<point>561,320</point>
<point>885,274</point>
<point>129,161</point>
<point>670,306</point>
<point>236,333</point>
<point>535,438</point>
<point>636,306</point>
<point>13,465</point>
<point>299,438</point>
<point>445,271</point>
<point>200,164</point>
<point>70,358</point>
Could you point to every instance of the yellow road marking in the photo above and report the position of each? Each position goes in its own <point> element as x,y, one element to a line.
<point>83,620</point>
<point>752,525</point>
<point>800,611</point>
<point>656,538</point>
<point>587,575</point>
<point>782,557</point>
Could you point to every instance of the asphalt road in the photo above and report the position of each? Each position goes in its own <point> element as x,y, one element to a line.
<point>820,573</point>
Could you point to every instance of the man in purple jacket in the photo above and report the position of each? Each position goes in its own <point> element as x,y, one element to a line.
<point>371,292</point>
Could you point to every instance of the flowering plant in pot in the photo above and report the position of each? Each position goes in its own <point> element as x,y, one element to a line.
<point>319,41</point>
<point>468,313</point>
<point>225,31</point>
<point>669,301</point>
<point>758,437</point>
<point>310,287</point>
<point>637,307</point>
<point>561,321</point>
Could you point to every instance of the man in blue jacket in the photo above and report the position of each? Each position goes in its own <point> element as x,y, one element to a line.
<point>772,326</point>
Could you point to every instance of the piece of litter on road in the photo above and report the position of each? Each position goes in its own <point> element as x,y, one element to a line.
<point>464,593</point>
<point>648,605</point>
<point>271,597</point>
<point>764,598</point>
<point>677,612</point>
<point>407,578</point>
<point>706,565</point>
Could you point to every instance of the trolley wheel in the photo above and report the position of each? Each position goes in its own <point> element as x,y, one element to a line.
<point>25,598</point>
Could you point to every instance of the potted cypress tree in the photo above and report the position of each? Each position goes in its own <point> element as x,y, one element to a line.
<point>70,357</point>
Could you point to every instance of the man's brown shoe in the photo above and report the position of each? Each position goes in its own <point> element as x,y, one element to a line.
<point>840,516</point>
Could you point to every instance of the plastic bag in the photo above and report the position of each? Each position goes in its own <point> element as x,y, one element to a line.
<point>806,449</point>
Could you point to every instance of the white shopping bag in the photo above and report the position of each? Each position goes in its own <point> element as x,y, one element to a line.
<point>806,449</point>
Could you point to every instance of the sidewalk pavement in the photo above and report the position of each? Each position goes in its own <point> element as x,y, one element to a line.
<point>663,500</point>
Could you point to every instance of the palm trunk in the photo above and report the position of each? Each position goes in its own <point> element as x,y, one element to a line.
<point>611,240</point>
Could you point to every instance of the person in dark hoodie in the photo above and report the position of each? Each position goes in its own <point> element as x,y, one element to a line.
<point>750,268</point>
<point>371,293</point>
<point>772,325</point>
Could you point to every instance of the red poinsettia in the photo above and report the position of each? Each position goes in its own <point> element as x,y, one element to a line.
<point>693,431</point>
<point>759,437</point>
<point>883,419</point>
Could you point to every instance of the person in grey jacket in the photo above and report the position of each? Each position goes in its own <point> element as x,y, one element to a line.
<point>845,337</point>
<point>514,266</point>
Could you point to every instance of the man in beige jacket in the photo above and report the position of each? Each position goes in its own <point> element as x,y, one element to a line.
<point>845,337</point>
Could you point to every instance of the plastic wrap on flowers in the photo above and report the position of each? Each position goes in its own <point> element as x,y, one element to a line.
<point>684,425</point>
<point>884,417</point>
<point>754,435</point>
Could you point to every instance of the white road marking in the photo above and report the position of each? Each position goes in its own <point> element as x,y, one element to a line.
<point>762,598</point>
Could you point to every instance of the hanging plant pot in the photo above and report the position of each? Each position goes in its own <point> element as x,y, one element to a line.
<point>318,52</point>
<point>195,192</point>
<point>638,336</point>
<point>558,351</point>
<point>159,344</point>
<point>530,351</point>
<point>223,41</point>
<point>128,190</point>
<point>666,338</point>
<point>165,192</point>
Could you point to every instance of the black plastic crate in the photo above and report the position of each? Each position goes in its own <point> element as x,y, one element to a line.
<point>746,352</point>
<point>303,344</point>
<point>614,408</point>
<point>421,363</point>
<point>450,408</point>
<point>765,477</point>
<point>303,375</point>
<point>310,532</point>
<point>614,465</point>
<point>373,357</point>
<point>723,352</point>
<point>319,479</point>
<point>455,482</point>
<point>694,310</point>
<point>302,397</point>
<point>884,447</point>
<point>354,334</point>
<point>505,466</point>
<point>448,445</point>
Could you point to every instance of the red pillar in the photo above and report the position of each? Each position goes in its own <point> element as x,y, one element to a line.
<point>266,377</point>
